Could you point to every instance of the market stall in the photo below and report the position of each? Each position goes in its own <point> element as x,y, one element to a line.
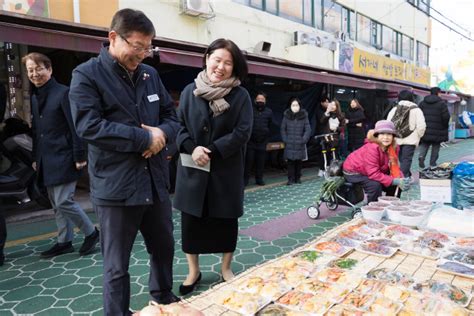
<point>359,268</point>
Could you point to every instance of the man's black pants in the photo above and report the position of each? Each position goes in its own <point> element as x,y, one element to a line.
<point>119,226</point>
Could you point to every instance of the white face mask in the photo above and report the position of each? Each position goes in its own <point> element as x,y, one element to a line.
<point>295,107</point>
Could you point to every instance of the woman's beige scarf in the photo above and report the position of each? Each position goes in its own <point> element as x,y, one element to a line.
<point>214,92</point>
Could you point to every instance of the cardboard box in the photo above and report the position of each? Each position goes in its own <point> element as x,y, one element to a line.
<point>435,190</point>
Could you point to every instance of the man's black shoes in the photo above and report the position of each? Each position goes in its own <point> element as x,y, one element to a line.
<point>167,298</point>
<point>58,249</point>
<point>88,246</point>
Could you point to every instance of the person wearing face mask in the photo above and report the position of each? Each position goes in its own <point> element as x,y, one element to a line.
<point>375,164</point>
<point>295,132</point>
<point>256,147</point>
<point>216,116</point>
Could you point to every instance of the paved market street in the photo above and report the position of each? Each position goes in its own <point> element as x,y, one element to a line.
<point>274,223</point>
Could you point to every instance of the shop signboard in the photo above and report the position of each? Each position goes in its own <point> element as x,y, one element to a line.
<point>374,65</point>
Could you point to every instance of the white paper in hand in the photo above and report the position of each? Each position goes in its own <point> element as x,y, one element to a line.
<point>187,161</point>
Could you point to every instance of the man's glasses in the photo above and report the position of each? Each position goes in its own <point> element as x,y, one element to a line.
<point>35,70</point>
<point>139,49</point>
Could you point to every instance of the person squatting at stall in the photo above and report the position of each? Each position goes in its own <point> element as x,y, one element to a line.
<point>295,132</point>
<point>371,165</point>
<point>123,111</point>
<point>58,154</point>
<point>215,113</point>
<point>257,145</point>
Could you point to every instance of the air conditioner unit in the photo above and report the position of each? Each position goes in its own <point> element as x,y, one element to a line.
<point>195,7</point>
<point>339,35</point>
<point>301,38</point>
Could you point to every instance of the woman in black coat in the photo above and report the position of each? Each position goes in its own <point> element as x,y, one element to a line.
<point>355,118</point>
<point>295,132</point>
<point>215,114</point>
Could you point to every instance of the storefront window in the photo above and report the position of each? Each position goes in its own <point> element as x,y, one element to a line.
<point>376,35</point>
<point>363,29</point>
<point>256,4</point>
<point>349,23</point>
<point>407,47</point>
<point>292,10</point>
<point>332,16</point>
<point>422,54</point>
<point>271,6</point>
<point>318,14</point>
<point>388,40</point>
<point>307,12</point>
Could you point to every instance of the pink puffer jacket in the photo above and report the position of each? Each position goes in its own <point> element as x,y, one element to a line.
<point>371,161</point>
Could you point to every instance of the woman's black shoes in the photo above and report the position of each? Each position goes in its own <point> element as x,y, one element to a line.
<point>186,289</point>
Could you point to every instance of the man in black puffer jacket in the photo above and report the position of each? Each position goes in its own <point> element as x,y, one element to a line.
<point>437,117</point>
<point>257,145</point>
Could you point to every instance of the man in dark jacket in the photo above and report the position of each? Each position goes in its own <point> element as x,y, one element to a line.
<point>121,108</point>
<point>58,155</point>
<point>257,145</point>
<point>437,117</point>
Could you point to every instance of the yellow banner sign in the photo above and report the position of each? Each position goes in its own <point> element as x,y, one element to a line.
<point>379,66</point>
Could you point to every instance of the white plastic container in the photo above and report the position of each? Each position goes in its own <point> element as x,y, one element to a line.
<point>393,212</point>
<point>411,218</point>
<point>373,213</point>
<point>387,199</point>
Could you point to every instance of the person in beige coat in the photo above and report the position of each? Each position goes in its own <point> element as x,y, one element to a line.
<point>417,125</point>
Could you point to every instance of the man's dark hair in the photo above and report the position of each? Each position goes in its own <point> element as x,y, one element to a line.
<point>261,93</point>
<point>406,95</point>
<point>435,91</point>
<point>240,68</point>
<point>126,21</point>
<point>38,58</point>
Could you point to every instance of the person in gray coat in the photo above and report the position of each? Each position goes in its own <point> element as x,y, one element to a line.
<point>295,132</point>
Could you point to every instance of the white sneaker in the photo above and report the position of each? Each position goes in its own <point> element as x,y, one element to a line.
<point>320,173</point>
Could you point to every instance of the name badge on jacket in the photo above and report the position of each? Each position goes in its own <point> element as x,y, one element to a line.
<point>153,98</point>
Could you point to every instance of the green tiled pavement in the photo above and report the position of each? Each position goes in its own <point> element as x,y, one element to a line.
<point>70,284</point>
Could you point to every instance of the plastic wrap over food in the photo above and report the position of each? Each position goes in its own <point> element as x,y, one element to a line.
<point>450,220</point>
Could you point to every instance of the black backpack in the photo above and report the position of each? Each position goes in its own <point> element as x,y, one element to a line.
<point>401,120</point>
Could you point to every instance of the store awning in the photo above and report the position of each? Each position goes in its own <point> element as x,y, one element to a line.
<point>36,31</point>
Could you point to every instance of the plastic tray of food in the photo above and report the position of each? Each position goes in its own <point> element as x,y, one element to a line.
<point>416,247</point>
<point>455,268</point>
<point>358,300</point>
<point>418,304</point>
<point>241,302</point>
<point>325,290</point>
<point>445,290</point>
<point>343,263</point>
<point>464,242</point>
<point>339,276</point>
<point>332,248</point>
<point>313,256</point>
<point>259,286</point>
<point>376,249</point>
<point>382,305</point>
<point>277,309</point>
<point>368,286</point>
<point>306,302</point>
<point>463,257</point>
<point>391,277</point>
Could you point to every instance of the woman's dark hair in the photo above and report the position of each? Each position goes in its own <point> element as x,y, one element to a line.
<point>338,107</point>
<point>38,58</point>
<point>358,105</point>
<point>261,93</point>
<point>324,98</point>
<point>406,95</point>
<point>126,21</point>
<point>294,99</point>
<point>240,68</point>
